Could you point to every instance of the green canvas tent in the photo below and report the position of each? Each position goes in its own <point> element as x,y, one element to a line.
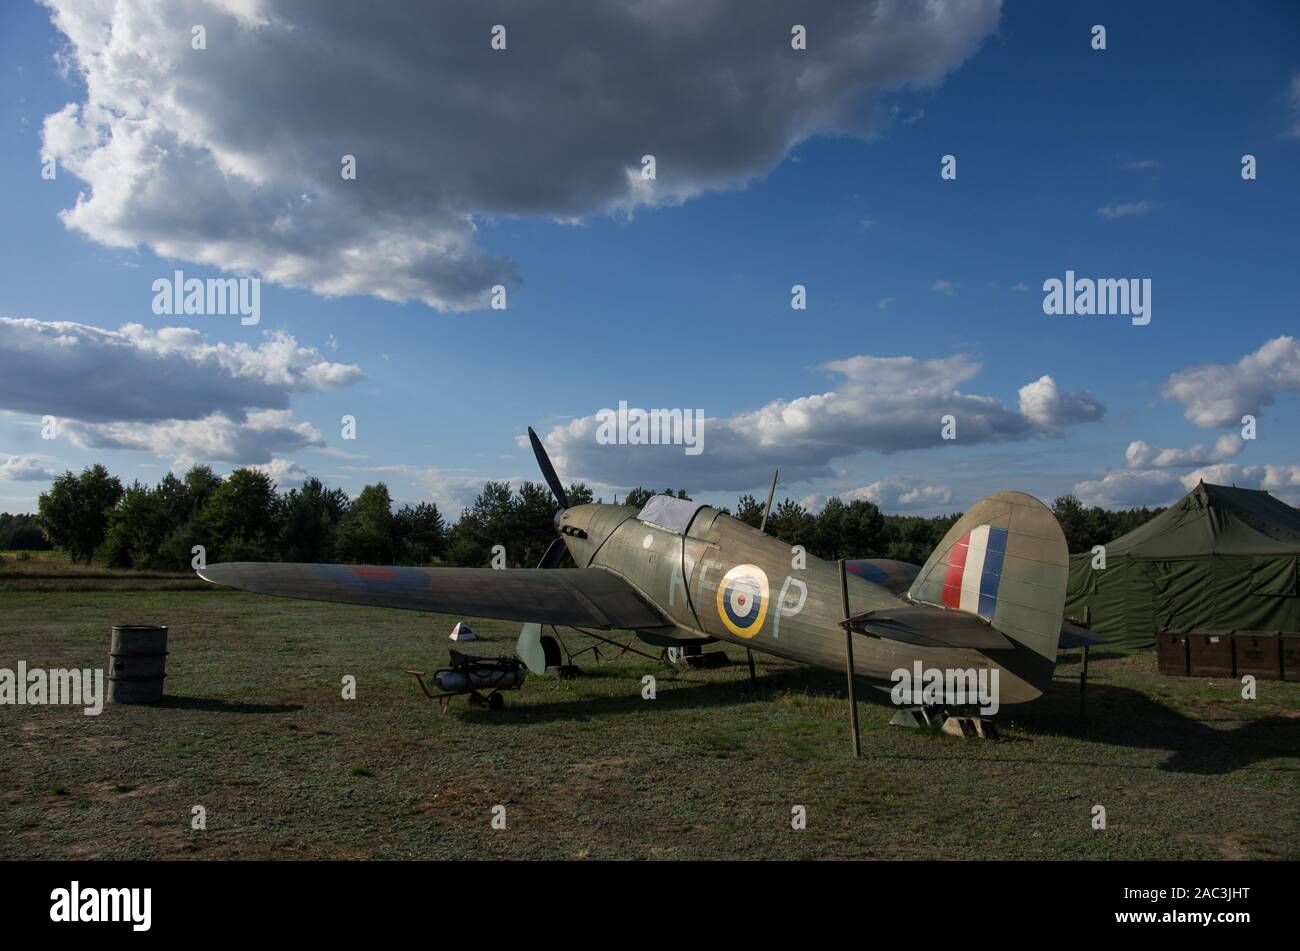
<point>1223,558</point>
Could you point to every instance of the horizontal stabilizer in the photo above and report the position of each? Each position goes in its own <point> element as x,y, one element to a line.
<point>927,626</point>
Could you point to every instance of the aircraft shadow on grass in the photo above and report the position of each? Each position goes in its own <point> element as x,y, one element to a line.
<point>1116,716</point>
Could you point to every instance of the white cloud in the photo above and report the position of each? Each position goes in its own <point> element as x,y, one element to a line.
<point>1150,487</point>
<point>901,494</point>
<point>943,286</point>
<point>1281,480</point>
<point>886,404</point>
<point>814,503</point>
<point>1125,210</point>
<point>283,471</point>
<point>1219,394</point>
<point>255,439</point>
<point>884,303</point>
<point>167,391</point>
<point>231,156</point>
<point>74,370</point>
<point>1131,488</point>
<point>450,490</point>
<point>1020,286</point>
<point>1141,455</point>
<point>1044,403</point>
<point>25,469</point>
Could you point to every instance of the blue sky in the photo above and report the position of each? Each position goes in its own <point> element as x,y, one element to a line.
<point>684,300</point>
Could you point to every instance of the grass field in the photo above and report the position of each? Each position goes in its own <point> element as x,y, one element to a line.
<point>256,731</point>
<point>53,571</point>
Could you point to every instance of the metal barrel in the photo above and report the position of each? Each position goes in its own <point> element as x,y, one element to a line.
<point>137,663</point>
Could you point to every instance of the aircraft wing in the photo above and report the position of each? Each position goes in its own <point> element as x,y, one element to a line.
<point>894,576</point>
<point>581,597</point>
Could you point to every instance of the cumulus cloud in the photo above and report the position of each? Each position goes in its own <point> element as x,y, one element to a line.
<point>1151,487</point>
<point>901,494</point>
<point>1219,394</point>
<point>283,471</point>
<point>1131,489</point>
<point>1044,403</point>
<point>1125,210</point>
<point>1141,455</point>
<point>88,373</point>
<point>231,156</point>
<point>1282,480</point>
<point>168,391</point>
<point>253,439</point>
<point>886,404</point>
<point>450,490</point>
<point>25,469</point>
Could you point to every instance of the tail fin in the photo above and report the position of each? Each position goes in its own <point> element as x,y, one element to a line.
<point>1005,560</point>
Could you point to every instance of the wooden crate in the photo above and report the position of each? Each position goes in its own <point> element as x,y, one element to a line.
<point>1171,653</point>
<point>1289,648</point>
<point>1210,654</point>
<point>1258,653</point>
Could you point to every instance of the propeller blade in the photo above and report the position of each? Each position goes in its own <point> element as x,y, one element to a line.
<point>548,470</point>
<point>554,555</point>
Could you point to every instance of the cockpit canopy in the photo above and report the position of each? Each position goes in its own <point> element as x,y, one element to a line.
<point>671,514</point>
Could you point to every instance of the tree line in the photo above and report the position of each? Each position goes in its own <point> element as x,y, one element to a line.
<point>243,517</point>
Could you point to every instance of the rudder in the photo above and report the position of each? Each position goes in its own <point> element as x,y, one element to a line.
<point>1006,561</point>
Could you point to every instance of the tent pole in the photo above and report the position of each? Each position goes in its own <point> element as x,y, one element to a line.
<point>1083,683</point>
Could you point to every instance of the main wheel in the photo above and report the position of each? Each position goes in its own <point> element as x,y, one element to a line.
<point>496,701</point>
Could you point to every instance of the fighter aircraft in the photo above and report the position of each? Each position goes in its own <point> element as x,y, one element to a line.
<point>680,573</point>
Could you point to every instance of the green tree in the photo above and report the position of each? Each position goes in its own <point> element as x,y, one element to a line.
<point>22,533</point>
<point>579,494</point>
<point>482,525</point>
<point>828,537</point>
<point>1073,517</point>
<point>422,532</point>
<point>638,497</point>
<point>531,526</point>
<point>76,510</point>
<point>136,528</point>
<point>749,510</point>
<point>309,519</point>
<point>367,534</point>
<point>200,484</point>
<point>238,523</point>
<point>793,524</point>
<point>863,531</point>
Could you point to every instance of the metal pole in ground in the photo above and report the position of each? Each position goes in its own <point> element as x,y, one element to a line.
<point>767,510</point>
<point>848,657</point>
